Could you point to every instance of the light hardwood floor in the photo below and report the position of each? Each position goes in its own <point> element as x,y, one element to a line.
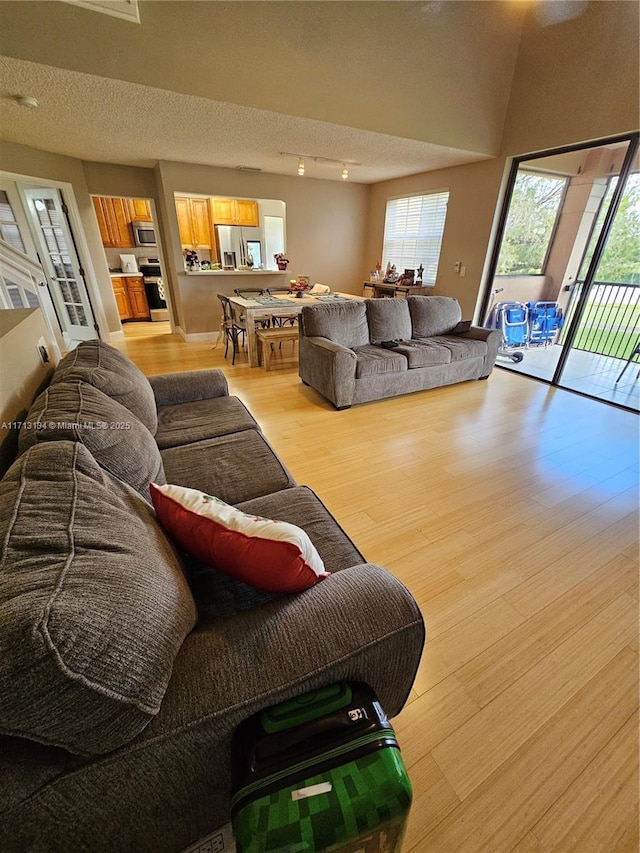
<point>510,511</point>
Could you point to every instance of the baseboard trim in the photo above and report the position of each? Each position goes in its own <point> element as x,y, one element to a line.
<point>116,336</point>
<point>198,337</point>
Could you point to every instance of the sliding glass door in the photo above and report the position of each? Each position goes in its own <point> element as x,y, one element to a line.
<point>604,314</point>
<point>566,284</point>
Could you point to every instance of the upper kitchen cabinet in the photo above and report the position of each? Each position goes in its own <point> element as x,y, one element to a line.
<point>194,222</point>
<point>235,211</point>
<point>139,210</point>
<point>114,222</point>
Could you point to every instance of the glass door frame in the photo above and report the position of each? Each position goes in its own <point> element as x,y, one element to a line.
<point>592,269</point>
<point>570,334</point>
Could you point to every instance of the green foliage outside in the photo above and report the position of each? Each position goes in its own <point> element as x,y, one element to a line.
<point>532,215</point>
<point>620,261</point>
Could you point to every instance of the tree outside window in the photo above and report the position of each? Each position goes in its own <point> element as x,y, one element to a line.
<point>533,213</point>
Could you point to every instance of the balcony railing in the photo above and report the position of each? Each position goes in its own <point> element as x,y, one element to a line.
<point>610,324</point>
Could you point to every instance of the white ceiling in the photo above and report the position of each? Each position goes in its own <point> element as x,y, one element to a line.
<point>104,120</point>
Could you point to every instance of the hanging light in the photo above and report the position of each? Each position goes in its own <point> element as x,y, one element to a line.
<point>345,172</point>
<point>300,166</point>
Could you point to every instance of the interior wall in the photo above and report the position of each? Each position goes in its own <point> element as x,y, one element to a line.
<point>23,373</point>
<point>326,227</point>
<point>112,179</point>
<point>473,196</point>
<point>575,81</point>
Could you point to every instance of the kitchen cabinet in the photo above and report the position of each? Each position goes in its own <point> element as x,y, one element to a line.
<point>139,210</point>
<point>194,222</point>
<point>114,222</point>
<point>235,211</point>
<point>131,297</point>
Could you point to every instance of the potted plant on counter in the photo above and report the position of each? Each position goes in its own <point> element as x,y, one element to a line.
<point>281,260</point>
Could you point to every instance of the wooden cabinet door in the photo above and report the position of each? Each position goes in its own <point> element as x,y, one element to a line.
<point>137,298</point>
<point>223,211</point>
<point>117,217</point>
<point>103,225</point>
<point>200,223</point>
<point>139,210</point>
<point>114,222</point>
<point>183,212</point>
<point>246,212</point>
<point>122,298</point>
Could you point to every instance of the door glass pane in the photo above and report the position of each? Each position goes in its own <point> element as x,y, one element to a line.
<point>49,219</point>
<point>533,213</point>
<point>603,359</point>
<point>558,206</point>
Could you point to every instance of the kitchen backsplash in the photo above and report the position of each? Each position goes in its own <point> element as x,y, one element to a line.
<point>113,256</point>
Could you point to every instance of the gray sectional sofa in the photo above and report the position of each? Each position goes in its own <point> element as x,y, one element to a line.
<point>126,666</point>
<point>341,355</point>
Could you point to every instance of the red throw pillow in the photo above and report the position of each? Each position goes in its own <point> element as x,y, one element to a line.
<point>273,556</point>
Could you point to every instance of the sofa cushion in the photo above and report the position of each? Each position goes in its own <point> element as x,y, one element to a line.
<point>424,353</point>
<point>433,315</point>
<point>461,348</point>
<point>94,605</point>
<point>344,323</point>
<point>219,466</point>
<point>388,319</point>
<point>188,422</point>
<point>274,556</point>
<point>372,360</point>
<point>114,374</point>
<point>118,441</point>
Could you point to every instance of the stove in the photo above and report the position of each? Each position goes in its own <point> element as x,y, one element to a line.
<point>152,276</point>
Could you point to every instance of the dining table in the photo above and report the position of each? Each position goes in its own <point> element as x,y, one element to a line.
<point>257,309</point>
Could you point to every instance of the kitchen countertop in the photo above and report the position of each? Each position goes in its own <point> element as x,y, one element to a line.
<point>232,272</point>
<point>115,274</point>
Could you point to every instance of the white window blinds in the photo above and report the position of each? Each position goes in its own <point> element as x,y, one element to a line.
<point>413,231</point>
<point>9,231</point>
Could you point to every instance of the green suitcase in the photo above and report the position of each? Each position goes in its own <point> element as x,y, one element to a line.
<point>321,773</point>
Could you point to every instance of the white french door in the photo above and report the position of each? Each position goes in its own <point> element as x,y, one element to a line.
<point>60,261</point>
<point>23,285</point>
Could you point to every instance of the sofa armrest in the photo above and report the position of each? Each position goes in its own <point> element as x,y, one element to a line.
<point>478,333</point>
<point>328,367</point>
<point>493,339</point>
<point>171,389</point>
<point>368,628</point>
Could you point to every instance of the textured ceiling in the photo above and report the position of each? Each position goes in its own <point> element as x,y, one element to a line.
<point>97,119</point>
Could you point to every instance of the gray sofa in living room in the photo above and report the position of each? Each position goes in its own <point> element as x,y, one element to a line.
<point>126,666</point>
<point>341,355</point>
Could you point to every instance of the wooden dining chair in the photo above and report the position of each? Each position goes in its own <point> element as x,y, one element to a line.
<point>280,320</point>
<point>232,327</point>
<point>247,293</point>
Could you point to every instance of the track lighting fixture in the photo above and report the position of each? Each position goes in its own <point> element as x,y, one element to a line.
<point>318,159</point>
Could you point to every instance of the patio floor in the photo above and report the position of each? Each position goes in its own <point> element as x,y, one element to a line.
<point>585,372</point>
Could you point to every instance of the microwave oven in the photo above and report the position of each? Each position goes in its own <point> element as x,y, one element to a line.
<point>144,233</point>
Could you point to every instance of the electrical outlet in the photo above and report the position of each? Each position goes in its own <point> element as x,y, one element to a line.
<point>463,271</point>
<point>457,266</point>
<point>43,353</point>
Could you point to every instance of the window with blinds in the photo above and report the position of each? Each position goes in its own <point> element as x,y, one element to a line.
<point>413,230</point>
